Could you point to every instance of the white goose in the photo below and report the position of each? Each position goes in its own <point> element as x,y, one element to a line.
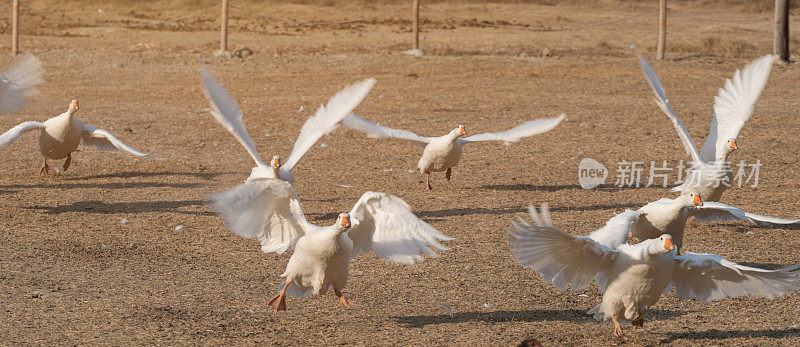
<point>633,277</point>
<point>18,82</point>
<point>733,106</point>
<point>323,122</point>
<point>443,153</point>
<point>60,136</point>
<point>268,209</point>
<point>668,216</point>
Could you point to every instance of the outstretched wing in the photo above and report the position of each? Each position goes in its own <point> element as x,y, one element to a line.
<point>710,277</point>
<point>327,119</point>
<point>227,113</point>
<point>519,132</point>
<point>18,82</point>
<point>715,211</point>
<point>376,130</point>
<point>734,105</point>
<point>558,257</point>
<point>13,134</point>
<point>617,229</point>
<point>387,226</point>
<point>104,140</point>
<point>267,209</point>
<point>661,101</point>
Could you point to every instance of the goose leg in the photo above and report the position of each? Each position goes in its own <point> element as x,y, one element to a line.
<point>638,323</point>
<point>279,301</point>
<point>447,173</point>
<point>618,328</point>
<point>428,181</point>
<point>342,300</point>
<point>45,170</point>
<point>66,162</point>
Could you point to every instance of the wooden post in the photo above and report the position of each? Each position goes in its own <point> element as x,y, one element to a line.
<point>223,32</point>
<point>662,29</point>
<point>15,28</point>
<point>415,25</point>
<point>780,45</point>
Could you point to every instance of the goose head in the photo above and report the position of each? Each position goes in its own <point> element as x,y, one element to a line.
<point>459,131</point>
<point>692,199</point>
<point>73,107</point>
<point>662,245</point>
<point>731,146</point>
<point>343,222</point>
<point>275,163</point>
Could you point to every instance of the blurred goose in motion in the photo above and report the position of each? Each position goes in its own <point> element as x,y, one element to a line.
<point>669,216</point>
<point>444,152</point>
<point>60,136</point>
<point>269,209</point>
<point>323,122</point>
<point>733,106</point>
<point>633,277</point>
<point>18,82</point>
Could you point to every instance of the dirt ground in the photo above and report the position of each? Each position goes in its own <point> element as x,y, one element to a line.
<point>95,256</point>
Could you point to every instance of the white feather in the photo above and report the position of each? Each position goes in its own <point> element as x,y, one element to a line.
<point>18,82</point>
<point>515,134</point>
<point>13,134</point>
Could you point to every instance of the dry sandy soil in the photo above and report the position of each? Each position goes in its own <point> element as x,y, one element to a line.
<point>71,271</point>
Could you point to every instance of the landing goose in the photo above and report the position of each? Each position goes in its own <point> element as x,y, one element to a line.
<point>733,106</point>
<point>633,277</point>
<point>60,136</point>
<point>444,152</point>
<point>269,209</point>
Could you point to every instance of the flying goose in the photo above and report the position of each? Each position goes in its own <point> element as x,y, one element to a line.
<point>228,114</point>
<point>633,277</point>
<point>669,216</point>
<point>733,106</point>
<point>60,136</point>
<point>443,153</point>
<point>269,209</point>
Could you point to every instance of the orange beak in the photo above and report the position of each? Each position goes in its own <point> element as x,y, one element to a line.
<point>462,130</point>
<point>668,245</point>
<point>346,222</point>
<point>697,201</point>
<point>734,145</point>
<point>276,162</point>
<point>74,105</point>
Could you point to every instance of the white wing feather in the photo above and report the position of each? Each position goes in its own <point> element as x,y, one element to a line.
<point>18,82</point>
<point>378,131</point>
<point>515,134</point>
<point>327,119</point>
<point>710,277</point>
<point>13,134</point>
<point>734,105</point>
<point>617,229</point>
<point>227,113</point>
<point>106,141</point>
<point>715,211</point>
<point>661,101</point>
<point>387,226</point>
<point>558,257</point>
<point>267,209</point>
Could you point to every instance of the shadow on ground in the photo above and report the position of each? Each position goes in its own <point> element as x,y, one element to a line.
<point>93,206</point>
<point>514,316</point>
<point>714,334</point>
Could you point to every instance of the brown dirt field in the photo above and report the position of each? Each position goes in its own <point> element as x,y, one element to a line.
<point>71,272</point>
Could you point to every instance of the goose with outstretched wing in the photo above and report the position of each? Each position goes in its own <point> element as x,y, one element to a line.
<point>326,119</point>
<point>444,152</point>
<point>60,136</point>
<point>633,277</point>
<point>734,104</point>
<point>269,209</point>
